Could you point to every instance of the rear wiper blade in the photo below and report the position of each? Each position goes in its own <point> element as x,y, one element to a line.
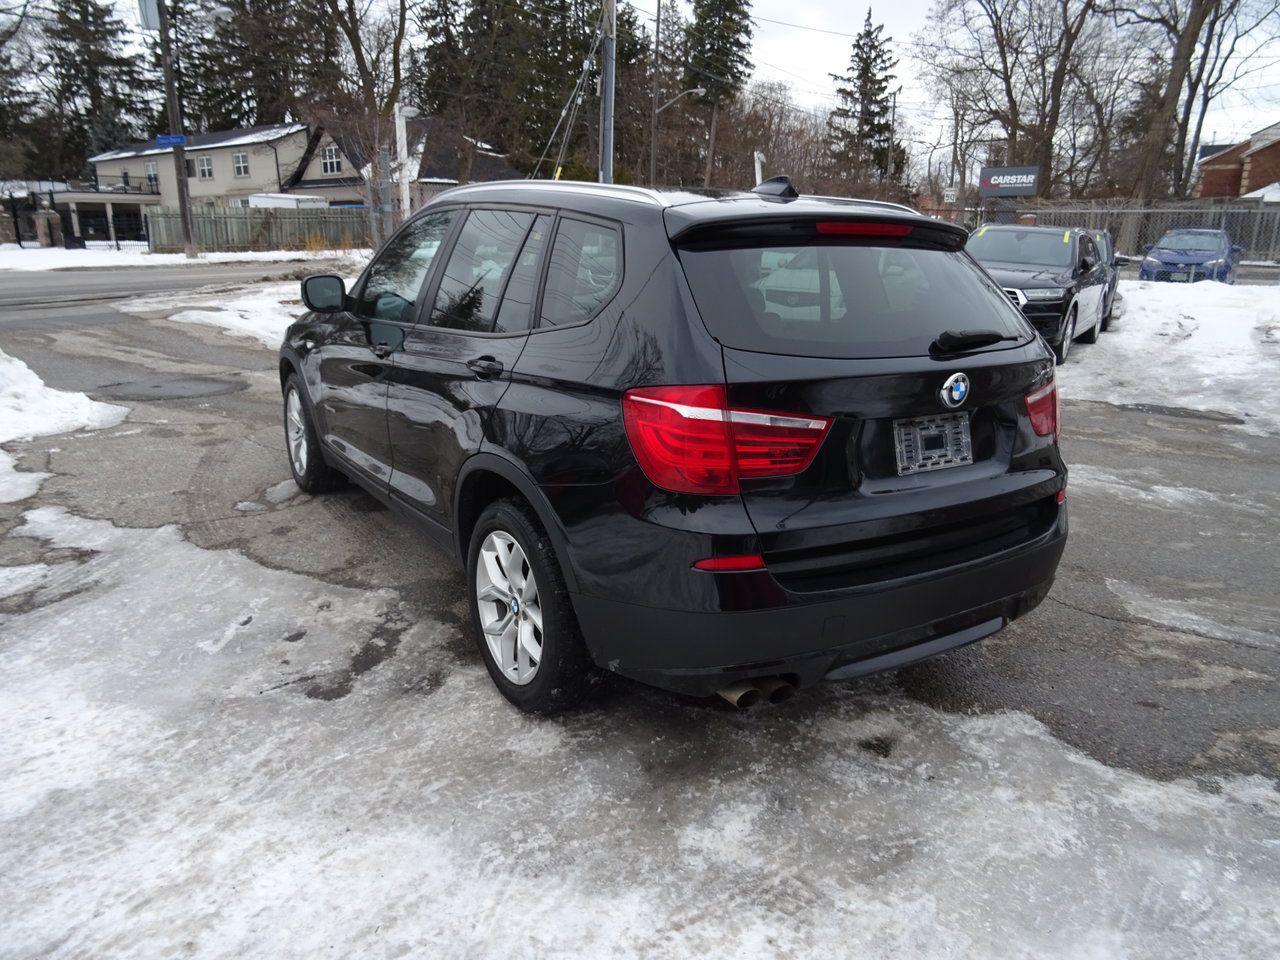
<point>957,341</point>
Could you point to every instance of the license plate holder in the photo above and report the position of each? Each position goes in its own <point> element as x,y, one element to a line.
<point>932,443</point>
<point>1180,276</point>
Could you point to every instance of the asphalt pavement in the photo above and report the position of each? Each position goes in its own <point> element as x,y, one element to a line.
<point>1156,654</point>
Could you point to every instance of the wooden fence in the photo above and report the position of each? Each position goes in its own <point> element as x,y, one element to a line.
<point>260,228</point>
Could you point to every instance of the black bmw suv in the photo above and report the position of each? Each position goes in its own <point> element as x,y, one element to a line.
<point>714,441</point>
<point>1057,277</point>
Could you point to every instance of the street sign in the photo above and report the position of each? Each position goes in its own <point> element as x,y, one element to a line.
<point>1009,182</point>
<point>950,195</point>
<point>171,140</point>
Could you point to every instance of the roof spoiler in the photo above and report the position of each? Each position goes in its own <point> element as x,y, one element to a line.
<point>777,188</point>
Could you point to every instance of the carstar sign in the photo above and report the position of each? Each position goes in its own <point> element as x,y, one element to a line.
<point>1009,181</point>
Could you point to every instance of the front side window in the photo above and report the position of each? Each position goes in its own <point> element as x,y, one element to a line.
<point>1088,250</point>
<point>240,164</point>
<point>204,167</point>
<point>395,278</point>
<point>477,272</point>
<point>584,273</point>
<point>331,159</point>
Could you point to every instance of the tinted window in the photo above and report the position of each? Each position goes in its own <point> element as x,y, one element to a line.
<point>1103,240</point>
<point>1087,249</point>
<point>395,279</point>
<point>843,301</point>
<point>1192,241</point>
<point>478,268</point>
<point>1011,245</point>
<point>585,270</point>
<point>516,311</point>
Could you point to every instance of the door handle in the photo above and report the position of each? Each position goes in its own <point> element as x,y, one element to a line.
<point>381,350</point>
<point>485,367</point>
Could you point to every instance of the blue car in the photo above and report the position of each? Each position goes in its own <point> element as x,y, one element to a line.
<point>1185,256</point>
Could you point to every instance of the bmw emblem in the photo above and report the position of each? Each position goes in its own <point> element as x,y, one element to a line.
<point>955,390</point>
<point>515,607</point>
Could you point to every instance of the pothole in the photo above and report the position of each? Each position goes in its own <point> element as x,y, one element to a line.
<point>169,388</point>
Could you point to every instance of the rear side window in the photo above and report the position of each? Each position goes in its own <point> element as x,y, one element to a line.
<point>516,312</point>
<point>851,301</point>
<point>584,273</point>
<point>483,258</point>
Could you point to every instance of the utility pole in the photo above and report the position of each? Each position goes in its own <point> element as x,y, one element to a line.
<point>653,105</point>
<point>893,119</point>
<point>175,128</point>
<point>606,90</point>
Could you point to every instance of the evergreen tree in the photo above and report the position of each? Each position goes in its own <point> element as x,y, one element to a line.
<point>85,74</point>
<point>719,41</point>
<point>861,127</point>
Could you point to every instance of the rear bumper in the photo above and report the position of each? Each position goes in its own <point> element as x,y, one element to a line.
<point>858,632</point>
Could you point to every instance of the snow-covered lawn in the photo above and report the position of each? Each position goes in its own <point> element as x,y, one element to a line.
<point>30,409</point>
<point>1206,346</point>
<point>13,257</point>
<point>192,763</point>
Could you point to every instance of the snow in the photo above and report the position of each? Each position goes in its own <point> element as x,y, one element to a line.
<point>30,409</point>
<point>1270,193</point>
<point>1204,346</point>
<point>258,136</point>
<point>262,312</point>
<point>13,257</point>
<point>192,764</point>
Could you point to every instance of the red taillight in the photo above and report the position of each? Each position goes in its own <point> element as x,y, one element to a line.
<point>734,564</point>
<point>1042,406</point>
<point>688,439</point>
<point>862,228</point>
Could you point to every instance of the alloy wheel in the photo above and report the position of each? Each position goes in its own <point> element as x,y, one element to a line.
<point>510,614</point>
<point>296,432</point>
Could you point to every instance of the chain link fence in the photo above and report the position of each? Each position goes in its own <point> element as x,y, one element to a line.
<point>239,229</point>
<point>1253,225</point>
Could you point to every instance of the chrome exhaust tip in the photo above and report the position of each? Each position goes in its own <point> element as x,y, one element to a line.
<point>775,689</point>
<point>742,694</point>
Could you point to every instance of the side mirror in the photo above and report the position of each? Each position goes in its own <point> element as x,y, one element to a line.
<point>1121,260</point>
<point>1146,247</point>
<point>324,294</point>
<point>1236,249</point>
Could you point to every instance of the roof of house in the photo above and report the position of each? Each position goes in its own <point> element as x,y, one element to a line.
<point>218,139</point>
<point>1270,193</point>
<point>442,157</point>
<point>1207,150</point>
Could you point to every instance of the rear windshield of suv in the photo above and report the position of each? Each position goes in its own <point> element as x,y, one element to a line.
<point>846,301</point>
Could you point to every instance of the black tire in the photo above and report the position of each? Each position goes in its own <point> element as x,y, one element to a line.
<point>1060,350</point>
<point>316,476</point>
<point>1091,335</point>
<point>1106,320</point>
<point>565,675</point>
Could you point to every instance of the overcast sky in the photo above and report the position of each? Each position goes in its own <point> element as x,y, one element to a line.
<point>805,57</point>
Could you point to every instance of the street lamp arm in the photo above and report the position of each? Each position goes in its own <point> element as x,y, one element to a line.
<point>696,91</point>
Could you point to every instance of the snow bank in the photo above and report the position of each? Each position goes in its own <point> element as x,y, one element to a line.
<point>13,257</point>
<point>202,756</point>
<point>1206,346</point>
<point>262,312</point>
<point>30,409</point>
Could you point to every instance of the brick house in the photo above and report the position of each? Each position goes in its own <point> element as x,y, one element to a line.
<point>1241,168</point>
